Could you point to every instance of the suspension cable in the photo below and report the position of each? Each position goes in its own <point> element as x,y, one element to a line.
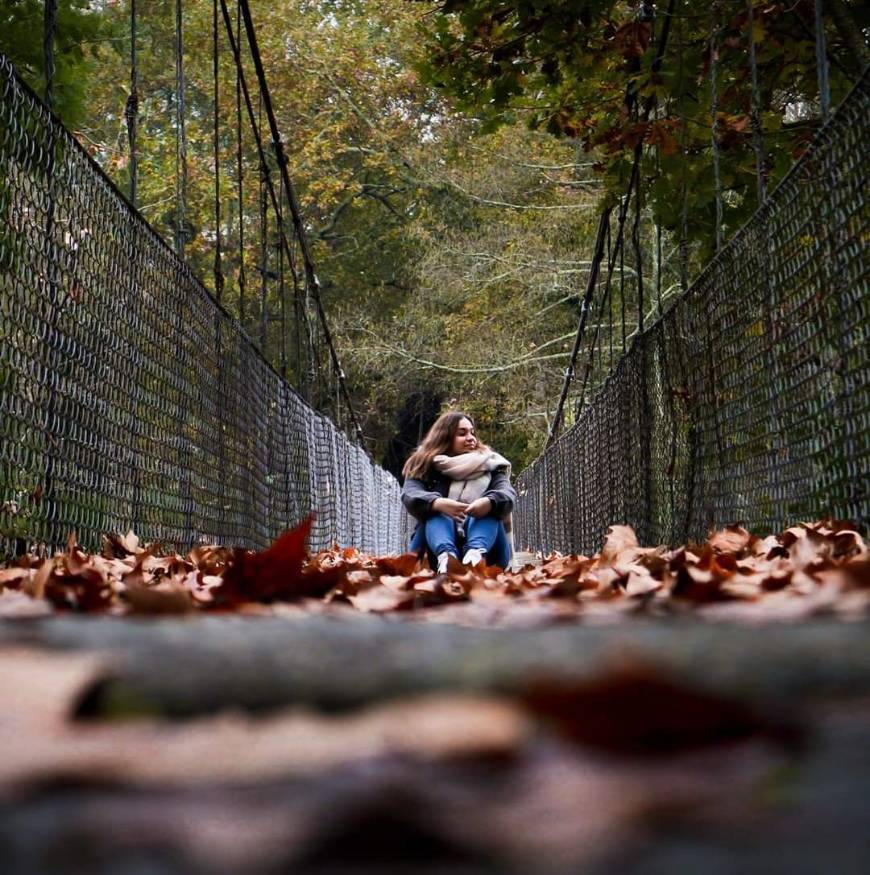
<point>282,291</point>
<point>49,25</point>
<point>657,244</point>
<point>755,112</point>
<point>714,117</point>
<point>622,299</point>
<point>301,311</point>
<point>638,254</point>
<point>312,281</point>
<point>131,109</point>
<point>264,219</point>
<point>300,317</point>
<point>218,263</point>
<point>591,282</point>
<point>610,302</point>
<point>180,137</point>
<point>684,174</point>
<point>822,63</point>
<point>619,248</point>
<point>239,170</point>
<point>311,277</point>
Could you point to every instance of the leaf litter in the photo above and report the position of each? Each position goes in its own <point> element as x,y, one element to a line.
<point>810,569</point>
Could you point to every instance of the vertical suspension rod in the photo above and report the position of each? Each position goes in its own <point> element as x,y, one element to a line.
<point>714,118</point>
<point>755,115</point>
<point>234,46</point>
<point>49,23</point>
<point>822,62</point>
<point>591,282</point>
<point>310,275</point>
<point>218,265</point>
<point>240,180</point>
<point>131,109</point>
<point>618,250</point>
<point>180,137</point>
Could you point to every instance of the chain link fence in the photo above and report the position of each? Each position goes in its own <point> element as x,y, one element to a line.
<point>749,399</point>
<point>128,397</point>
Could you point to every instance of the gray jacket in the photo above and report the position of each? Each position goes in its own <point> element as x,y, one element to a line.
<point>418,495</point>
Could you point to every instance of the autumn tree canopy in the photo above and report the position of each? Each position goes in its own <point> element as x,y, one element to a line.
<point>614,74</point>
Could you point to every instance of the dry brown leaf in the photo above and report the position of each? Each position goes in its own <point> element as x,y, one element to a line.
<point>622,580</point>
<point>731,539</point>
<point>379,599</point>
<point>118,546</point>
<point>166,597</point>
<point>640,582</point>
<point>403,566</point>
<point>619,539</point>
<point>13,577</point>
<point>635,710</point>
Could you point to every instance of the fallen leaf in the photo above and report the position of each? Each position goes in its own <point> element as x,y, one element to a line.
<point>731,539</point>
<point>166,597</point>
<point>619,539</point>
<point>635,710</point>
<point>274,574</point>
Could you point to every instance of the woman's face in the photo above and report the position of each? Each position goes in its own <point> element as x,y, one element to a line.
<point>464,440</point>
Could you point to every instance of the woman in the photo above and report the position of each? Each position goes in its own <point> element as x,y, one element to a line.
<point>460,492</point>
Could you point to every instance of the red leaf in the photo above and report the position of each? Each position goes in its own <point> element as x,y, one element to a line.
<point>273,575</point>
<point>632,39</point>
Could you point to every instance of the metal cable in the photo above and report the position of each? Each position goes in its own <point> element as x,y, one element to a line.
<point>180,136</point>
<point>755,111</point>
<point>131,109</point>
<point>49,21</point>
<point>240,182</point>
<point>264,247</point>
<point>216,150</point>
<point>715,26</point>
<point>584,312</point>
<point>822,62</point>
<point>312,281</point>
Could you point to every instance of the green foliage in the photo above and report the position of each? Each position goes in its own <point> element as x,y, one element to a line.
<point>591,70</point>
<point>79,30</point>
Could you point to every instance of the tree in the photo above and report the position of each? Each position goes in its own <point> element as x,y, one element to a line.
<point>78,34</point>
<point>617,74</point>
<point>501,244</point>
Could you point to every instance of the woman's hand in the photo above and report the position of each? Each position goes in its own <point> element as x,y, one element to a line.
<point>479,508</point>
<point>454,509</point>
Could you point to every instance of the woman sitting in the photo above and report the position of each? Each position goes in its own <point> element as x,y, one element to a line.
<point>460,492</point>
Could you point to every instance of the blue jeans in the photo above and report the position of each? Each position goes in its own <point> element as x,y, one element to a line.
<point>438,535</point>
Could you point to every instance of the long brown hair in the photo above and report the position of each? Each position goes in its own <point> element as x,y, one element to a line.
<point>439,439</point>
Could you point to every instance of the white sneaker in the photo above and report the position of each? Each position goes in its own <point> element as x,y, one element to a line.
<point>443,559</point>
<point>472,558</point>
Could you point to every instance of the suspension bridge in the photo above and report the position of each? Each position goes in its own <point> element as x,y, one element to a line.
<point>132,399</point>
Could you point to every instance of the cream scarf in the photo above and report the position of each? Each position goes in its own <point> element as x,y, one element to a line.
<point>471,474</point>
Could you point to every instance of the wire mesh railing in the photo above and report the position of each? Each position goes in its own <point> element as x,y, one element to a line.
<point>749,399</point>
<point>129,398</point>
